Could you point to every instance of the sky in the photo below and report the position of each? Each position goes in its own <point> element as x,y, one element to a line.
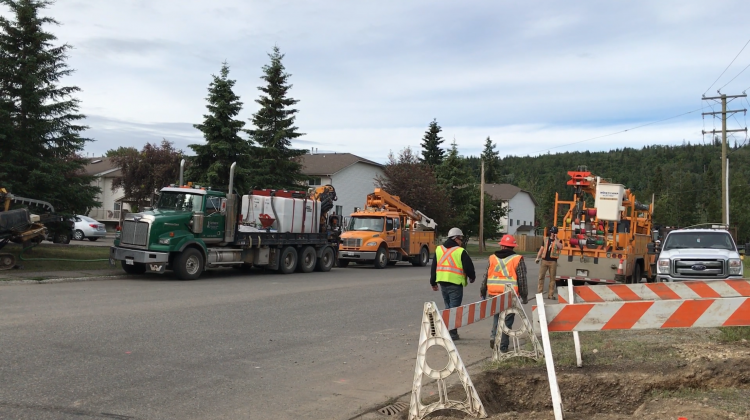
<point>536,77</point>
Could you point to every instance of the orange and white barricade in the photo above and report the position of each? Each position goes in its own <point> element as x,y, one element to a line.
<point>693,304</point>
<point>434,332</point>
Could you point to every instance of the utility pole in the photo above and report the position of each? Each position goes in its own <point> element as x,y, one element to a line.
<point>481,211</point>
<point>724,131</point>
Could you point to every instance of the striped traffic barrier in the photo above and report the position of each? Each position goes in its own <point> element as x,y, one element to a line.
<point>434,332</point>
<point>657,291</point>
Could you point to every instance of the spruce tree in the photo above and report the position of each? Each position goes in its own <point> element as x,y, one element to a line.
<point>491,159</point>
<point>454,176</point>
<point>212,161</point>
<point>276,162</point>
<point>432,154</point>
<point>39,119</point>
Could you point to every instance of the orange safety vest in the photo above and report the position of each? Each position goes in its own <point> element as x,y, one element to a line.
<point>502,273</point>
<point>449,268</point>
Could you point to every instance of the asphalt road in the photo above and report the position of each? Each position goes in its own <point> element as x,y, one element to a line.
<point>230,345</point>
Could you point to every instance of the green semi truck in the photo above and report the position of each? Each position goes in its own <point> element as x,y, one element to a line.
<point>193,228</point>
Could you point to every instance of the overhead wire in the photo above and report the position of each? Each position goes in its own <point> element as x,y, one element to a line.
<point>725,70</point>
<point>741,71</point>
<point>619,132</point>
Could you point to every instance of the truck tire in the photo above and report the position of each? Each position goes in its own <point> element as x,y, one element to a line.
<point>637,274</point>
<point>381,258</point>
<point>136,268</point>
<point>326,260</point>
<point>307,260</point>
<point>61,238</point>
<point>344,263</point>
<point>422,259</point>
<point>188,265</point>
<point>288,260</point>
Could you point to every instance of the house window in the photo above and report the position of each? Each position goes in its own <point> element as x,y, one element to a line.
<point>314,181</point>
<point>511,222</point>
<point>518,222</point>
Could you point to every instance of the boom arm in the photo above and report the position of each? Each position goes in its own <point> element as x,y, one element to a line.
<point>380,198</point>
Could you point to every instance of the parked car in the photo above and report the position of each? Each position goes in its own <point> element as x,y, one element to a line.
<point>698,254</point>
<point>88,228</point>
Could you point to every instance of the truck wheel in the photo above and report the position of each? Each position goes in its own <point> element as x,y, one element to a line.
<point>61,238</point>
<point>307,260</point>
<point>344,263</point>
<point>188,265</point>
<point>326,260</point>
<point>288,261</point>
<point>381,258</point>
<point>421,261</point>
<point>136,268</point>
<point>636,274</point>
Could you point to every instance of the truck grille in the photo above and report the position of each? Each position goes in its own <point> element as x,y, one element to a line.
<point>351,242</point>
<point>699,268</point>
<point>134,233</point>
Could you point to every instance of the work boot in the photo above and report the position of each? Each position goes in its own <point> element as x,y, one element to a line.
<point>454,335</point>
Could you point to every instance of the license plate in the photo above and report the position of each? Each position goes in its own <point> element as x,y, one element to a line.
<point>582,273</point>
<point>349,254</point>
<point>129,261</point>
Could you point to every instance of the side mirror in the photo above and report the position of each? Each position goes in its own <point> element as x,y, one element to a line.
<point>654,235</point>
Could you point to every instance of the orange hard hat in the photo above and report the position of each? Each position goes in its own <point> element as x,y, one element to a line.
<point>509,241</point>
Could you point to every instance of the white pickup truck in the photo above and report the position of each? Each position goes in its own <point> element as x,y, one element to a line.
<point>698,254</point>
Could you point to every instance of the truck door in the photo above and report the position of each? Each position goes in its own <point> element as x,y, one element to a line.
<point>392,236</point>
<point>213,222</point>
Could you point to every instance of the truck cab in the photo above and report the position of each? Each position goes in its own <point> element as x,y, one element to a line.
<point>698,254</point>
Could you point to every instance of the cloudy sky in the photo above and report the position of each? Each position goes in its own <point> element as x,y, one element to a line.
<point>536,76</point>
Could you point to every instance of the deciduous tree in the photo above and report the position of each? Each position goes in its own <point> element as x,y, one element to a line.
<point>147,171</point>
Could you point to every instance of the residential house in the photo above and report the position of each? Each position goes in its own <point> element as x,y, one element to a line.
<point>105,171</point>
<point>521,207</point>
<point>353,177</point>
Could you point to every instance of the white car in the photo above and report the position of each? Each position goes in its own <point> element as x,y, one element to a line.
<point>88,228</point>
<point>699,254</point>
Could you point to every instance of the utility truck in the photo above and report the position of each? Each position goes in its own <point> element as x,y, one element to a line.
<point>192,228</point>
<point>607,243</point>
<point>385,232</point>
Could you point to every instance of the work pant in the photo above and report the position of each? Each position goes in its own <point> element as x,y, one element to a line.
<point>453,294</point>
<point>552,267</point>
<point>504,340</point>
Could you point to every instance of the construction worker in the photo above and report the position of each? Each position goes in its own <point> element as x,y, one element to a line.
<point>506,269</point>
<point>450,268</point>
<point>548,253</point>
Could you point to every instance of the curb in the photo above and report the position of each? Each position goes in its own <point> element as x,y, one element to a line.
<point>58,280</point>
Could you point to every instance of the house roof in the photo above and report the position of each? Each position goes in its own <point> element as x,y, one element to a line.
<point>326,164</point>
<point>525,228</point>
<point>505,192</point>
<point>100,166</point>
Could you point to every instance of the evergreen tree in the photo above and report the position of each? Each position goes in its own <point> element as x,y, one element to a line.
<point>212,161</point>
<point>462,191</point>
<point>276,163</point>
<point>491,159</point>
<point>39,119</point>
<point>432,154</point>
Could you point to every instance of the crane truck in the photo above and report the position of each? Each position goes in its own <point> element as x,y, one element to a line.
<point>192,228</point>
<point>385,232</point>
<point>607,243</point>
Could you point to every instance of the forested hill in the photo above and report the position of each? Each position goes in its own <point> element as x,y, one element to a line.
<point>684,179</point>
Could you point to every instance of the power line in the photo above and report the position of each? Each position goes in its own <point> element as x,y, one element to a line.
<point>725,70</point>
<point>621,131</point>
<point>735,77</point>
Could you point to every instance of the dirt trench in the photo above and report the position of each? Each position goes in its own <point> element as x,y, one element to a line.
<point>623,391</point>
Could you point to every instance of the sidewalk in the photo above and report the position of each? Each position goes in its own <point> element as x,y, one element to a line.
<point>9,276</point>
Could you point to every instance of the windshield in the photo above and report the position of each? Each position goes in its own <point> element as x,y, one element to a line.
<point>374,224</point>
<point>711,240</point>
<point>180,201</point>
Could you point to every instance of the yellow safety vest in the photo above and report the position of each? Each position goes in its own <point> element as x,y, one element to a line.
<point>449,267</point>
<point>502,273</point>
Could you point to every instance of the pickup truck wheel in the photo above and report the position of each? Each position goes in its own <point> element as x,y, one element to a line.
<point>136,268</point>
<point>307,260</point>
<point>421,261</point>
<point>381,258</point>
<point>288,261</point>
<point>326,260</point>
<point>188,265</point>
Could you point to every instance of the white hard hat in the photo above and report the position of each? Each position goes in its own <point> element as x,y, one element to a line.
<point>455,232</point>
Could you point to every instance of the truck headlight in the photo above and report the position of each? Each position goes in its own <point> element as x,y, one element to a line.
<point>164,241</point>
<point>373,243</point>
<point>735,266</point>
<point>663,267</point>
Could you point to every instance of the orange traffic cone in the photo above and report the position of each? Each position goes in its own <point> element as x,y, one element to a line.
<point>619,268</point>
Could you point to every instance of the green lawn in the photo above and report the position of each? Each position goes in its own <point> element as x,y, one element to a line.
<point>51,257</point>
